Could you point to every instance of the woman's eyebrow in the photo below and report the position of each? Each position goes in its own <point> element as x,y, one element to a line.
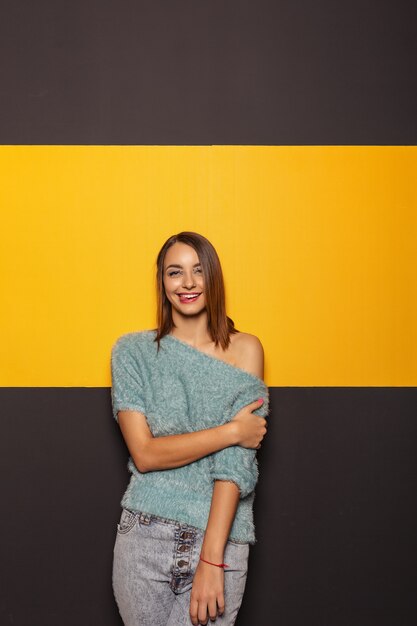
<point>180,266</point>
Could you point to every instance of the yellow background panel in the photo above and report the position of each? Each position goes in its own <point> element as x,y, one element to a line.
<point>318,248</point>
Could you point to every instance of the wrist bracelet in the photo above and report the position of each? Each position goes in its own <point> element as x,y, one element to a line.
<point>216,564</point>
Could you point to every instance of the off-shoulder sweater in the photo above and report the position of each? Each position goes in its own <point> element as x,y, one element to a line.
<point>182,389</point>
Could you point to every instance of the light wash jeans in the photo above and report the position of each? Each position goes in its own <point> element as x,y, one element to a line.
<point>153,568</point>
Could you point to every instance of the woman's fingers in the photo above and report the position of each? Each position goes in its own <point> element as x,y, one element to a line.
<point>220,603</point>
<point>212,608</point>
<point>194,611</point>
<point>201,611</point>
<point>198,612</point>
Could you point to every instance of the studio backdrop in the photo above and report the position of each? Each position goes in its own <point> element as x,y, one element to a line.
<point>285,133</point>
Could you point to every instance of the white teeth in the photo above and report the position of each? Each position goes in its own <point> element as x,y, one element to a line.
<point>189,297</point>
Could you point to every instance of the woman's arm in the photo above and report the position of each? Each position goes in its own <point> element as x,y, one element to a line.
<point>151,453</point>
<point>207,593</point>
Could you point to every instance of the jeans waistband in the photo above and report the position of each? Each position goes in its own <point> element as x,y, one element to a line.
<point>147,518</point>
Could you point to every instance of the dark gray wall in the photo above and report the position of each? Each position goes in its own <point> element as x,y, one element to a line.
<point>335,508</point>
<point>208,72</point>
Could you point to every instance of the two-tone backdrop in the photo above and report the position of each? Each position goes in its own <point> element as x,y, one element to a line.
<point>284,132</point>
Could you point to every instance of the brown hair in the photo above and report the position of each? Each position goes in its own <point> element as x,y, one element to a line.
<point>220,326</point>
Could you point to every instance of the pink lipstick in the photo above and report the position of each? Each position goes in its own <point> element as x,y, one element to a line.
<point>185,298</point>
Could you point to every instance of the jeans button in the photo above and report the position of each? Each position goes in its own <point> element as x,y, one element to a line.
<point>183,548</point>
<point>186,535</point>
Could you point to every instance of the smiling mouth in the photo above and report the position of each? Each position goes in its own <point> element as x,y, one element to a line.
<point>188,297</point>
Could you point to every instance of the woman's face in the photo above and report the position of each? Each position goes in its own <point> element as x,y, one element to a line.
<point>183,279</point>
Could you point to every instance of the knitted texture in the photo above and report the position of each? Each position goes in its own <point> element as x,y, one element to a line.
<point>181,389</point>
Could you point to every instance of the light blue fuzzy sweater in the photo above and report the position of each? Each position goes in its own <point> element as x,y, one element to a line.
<point>182,389</point>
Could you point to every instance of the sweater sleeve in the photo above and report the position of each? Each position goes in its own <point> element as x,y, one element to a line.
<point>236,463</point>
<point>127,387</point>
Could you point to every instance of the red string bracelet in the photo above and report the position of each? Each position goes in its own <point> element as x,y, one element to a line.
<point>216,564</point>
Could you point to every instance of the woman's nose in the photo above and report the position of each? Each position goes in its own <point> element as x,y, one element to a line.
<point>189,281</point>
<point>188,284</point>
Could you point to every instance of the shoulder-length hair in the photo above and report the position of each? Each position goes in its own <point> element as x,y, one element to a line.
<point>220,326</point>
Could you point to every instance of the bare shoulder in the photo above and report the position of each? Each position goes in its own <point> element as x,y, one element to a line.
<point>249,353</point>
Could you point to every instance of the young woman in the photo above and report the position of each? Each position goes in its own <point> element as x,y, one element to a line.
<point>191,402</point>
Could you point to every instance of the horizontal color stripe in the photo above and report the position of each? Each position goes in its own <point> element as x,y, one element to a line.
<point>185,72</point>
<point>334,509</point>
<point>317,246</point>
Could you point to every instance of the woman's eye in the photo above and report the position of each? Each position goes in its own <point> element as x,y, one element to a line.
<point>175,272</point>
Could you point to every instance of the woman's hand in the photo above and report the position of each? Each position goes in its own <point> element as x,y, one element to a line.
<point>251,428</point>
<point>207,593</point>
